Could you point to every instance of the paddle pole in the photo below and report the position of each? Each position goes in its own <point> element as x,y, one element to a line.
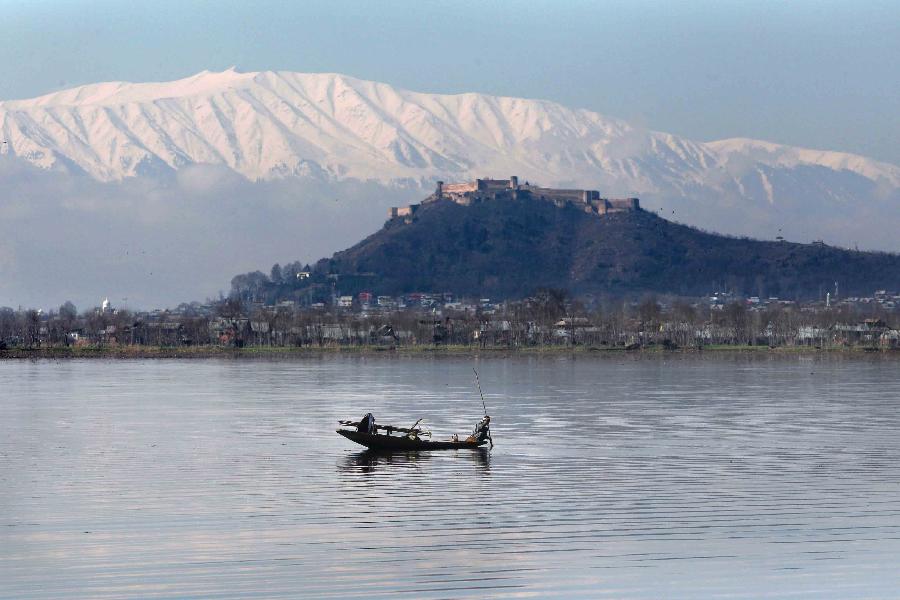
<point>480,392</point>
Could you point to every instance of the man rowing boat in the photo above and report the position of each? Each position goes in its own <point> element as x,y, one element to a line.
<point>482,432</point>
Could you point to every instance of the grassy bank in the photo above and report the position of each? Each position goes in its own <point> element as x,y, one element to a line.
<point>126,352</point>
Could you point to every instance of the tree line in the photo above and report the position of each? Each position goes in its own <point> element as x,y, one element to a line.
<point>548,318</point>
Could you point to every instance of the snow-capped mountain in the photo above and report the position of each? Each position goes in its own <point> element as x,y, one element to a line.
<point>162,191</point>
<point>274,124</point>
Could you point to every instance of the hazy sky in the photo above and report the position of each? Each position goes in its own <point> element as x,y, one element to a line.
<point>817,74</point>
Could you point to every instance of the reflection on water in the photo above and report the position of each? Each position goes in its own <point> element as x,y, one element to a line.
<point>642,478</point>
<point>368,461</point>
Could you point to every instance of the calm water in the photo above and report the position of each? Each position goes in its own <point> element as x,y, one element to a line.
<point>679,478</point>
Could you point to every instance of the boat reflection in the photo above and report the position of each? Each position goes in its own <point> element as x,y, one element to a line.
<point>370,461</point>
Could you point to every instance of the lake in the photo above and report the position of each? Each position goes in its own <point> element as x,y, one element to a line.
<point>623,477</point>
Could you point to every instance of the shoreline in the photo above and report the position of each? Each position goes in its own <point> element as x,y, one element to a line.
<point>203,352</point>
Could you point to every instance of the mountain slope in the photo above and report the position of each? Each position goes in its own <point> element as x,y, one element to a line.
<point>511,248</point>
<point>272,124</point>
<point>328,131</point>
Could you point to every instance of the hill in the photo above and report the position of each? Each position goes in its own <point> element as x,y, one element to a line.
<point>182,179</point>
<point>510,248</point>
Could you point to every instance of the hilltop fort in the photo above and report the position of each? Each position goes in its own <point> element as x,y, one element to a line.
<point>480,190</point>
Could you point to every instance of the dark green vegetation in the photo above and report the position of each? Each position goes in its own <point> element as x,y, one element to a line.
<point>509,249</point>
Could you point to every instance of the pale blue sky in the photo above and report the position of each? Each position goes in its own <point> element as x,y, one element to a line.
<point>817,74</point>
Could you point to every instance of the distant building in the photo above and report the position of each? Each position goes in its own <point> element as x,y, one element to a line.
<point>387,302</point>
<point>480,190</point>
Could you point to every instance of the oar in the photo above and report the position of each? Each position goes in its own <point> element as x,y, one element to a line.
<point>480,392</point>
<point>477,381</point>
<point>413,432</point>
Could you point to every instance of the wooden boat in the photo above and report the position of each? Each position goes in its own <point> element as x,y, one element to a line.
<point>412,440</point>
<point>365,433</point>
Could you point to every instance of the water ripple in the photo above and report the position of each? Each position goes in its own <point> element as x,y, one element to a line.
<point>631,478</point>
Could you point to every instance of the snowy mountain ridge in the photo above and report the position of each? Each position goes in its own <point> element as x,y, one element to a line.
<point>166,190</point>
<point>269,125</point>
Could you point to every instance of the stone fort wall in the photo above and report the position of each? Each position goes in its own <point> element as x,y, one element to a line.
<point>485,189</point>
